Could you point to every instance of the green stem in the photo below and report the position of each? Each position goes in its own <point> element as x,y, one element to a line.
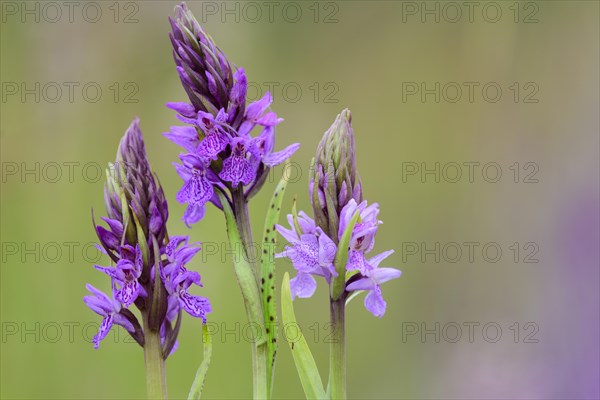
<point>337,350</point>
<point>242,219</point>
<point>259,350</point>
<point>156,383</point>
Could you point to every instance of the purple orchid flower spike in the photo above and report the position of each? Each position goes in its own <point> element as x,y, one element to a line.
<point>221,119</point>
<point>372,278</point>
<point>107,308</point>
<point>336,196</point>
<point>144,259</point>
<point>311,251</point>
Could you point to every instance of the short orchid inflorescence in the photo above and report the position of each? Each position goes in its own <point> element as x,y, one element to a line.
<point>336,197</point>
<point>149,268</point>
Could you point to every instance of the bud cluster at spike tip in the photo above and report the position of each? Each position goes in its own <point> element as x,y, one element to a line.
<point>136,240</point>
<point>336,197</point>
<point>334,180</point>
<point>220,153</point>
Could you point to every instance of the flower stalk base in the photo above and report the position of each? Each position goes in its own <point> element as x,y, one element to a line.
<point>156,383</point>
<point>337,350</point>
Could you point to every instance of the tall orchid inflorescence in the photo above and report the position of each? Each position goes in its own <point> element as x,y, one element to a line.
<point>149,268</point>
<point>220,152</point>
<point>224,164</point>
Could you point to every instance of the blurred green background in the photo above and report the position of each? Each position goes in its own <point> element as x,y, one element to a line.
<point>368,56</point>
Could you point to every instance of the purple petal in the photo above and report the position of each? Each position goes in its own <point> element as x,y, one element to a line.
<point>172,307</point>
<point>174,242</point>
<point>288,234</point>
<point>303,286</point>
<point>240,87</point>
<point>381,275</point>
<point>183,172</point>
<point>306,223</point>
<point>307,254</point>
<point>257,108</point>
<point>115,273</point>
<point>115,226</point>
<point>277,158</point>
<point>108,239</point>
<point>184,136</point>
<point>269,119</point>
<point>361,284</point>
<point>103,330</point>
<point>185,109</point>
<point>212,144</point>
<point>193,213</point>
<point>121,320</point>
<point>237,169</point>
<point>374,303</point>
<point>98,305</point>
<point>357,261</point>
<point>346,215</point>
<point>327,250</point>
<point>196,306</point>
<point>374,261</point>
<point>197,190</point>
<point>128,293</point>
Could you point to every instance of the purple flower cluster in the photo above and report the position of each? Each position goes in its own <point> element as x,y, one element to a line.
<point>336,196</point>
<point>136,241</point>
<point>220,152</point>
<point>312,252</point>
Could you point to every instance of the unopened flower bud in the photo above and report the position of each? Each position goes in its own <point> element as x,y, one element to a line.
<point>334,180</point>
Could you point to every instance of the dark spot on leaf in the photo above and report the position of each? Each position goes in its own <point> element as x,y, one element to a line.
<point>262,280</point>
<point>270,275</point>
<point>272,318</point>
<point>269,298</point>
